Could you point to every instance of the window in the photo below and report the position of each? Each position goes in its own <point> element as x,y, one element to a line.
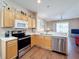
<point>62,27</point>
<point>40,25</point>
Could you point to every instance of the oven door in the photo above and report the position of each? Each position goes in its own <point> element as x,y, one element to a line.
<point>23,42</point>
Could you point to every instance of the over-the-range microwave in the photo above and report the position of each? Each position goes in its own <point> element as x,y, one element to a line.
<point>21,24</point>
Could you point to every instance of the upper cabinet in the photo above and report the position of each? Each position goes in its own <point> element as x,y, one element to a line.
<point>31,22</point>
<point>8,17</point>
<point>21,15</point>
<point>18,15</point>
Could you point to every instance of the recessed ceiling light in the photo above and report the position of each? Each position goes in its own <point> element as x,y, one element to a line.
<point>38,1</point>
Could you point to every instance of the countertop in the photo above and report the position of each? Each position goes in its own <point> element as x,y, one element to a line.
<point>54,34</point>
<point>8,38</point>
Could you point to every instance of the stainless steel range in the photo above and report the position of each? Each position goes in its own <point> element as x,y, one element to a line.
<point>24,42</point>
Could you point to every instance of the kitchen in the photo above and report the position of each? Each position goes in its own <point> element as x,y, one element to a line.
<point>26,35</point>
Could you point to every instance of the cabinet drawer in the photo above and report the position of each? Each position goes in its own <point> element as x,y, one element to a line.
<point>11,51</point>
<point>11,42</point>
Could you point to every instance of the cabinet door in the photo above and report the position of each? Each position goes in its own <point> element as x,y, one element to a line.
<point>8,17</point>
<point>48,42</point>
<point>36,40</point>
<point>39,42</point>
<point>29,22</point>
<point>33,40</point>
<point>11,52</point>
<point>33,23</point>
<point>23,17</point>
<point>0,15</point>
<point>18,15</point>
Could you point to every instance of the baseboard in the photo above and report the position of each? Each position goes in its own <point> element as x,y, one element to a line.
<point>60,53</point>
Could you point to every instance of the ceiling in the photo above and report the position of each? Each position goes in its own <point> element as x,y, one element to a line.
<point>52,9</point>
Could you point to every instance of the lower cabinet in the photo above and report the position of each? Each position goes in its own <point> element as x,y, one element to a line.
<point>9,49</point>
<point>33,40</point>
<point>48,42</point>
<point>41,41</point>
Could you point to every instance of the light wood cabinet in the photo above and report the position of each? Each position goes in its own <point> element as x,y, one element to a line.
<point>21,16</point>
<point>18,15</point>
<point>9,49</point>
<point>48,42</point>
<point>33,40</point>
<point>31,23</point>
<point>42,41</point>
<point>8,17</point>
<point>24,17</point>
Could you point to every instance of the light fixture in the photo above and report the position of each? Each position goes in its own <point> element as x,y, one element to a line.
<point>38,1</point>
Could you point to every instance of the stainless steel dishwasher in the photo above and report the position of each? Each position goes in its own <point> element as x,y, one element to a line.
<point>59,44</point>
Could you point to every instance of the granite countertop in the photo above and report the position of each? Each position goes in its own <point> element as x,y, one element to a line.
<point>8,38</point>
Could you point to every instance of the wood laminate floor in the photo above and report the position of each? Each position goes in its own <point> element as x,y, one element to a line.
<point>73,50</point>
<point>39,53</point>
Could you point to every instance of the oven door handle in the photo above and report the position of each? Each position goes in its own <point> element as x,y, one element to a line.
<point>24,38</point>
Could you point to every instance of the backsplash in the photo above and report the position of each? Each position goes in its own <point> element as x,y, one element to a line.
<point>4,30</point>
